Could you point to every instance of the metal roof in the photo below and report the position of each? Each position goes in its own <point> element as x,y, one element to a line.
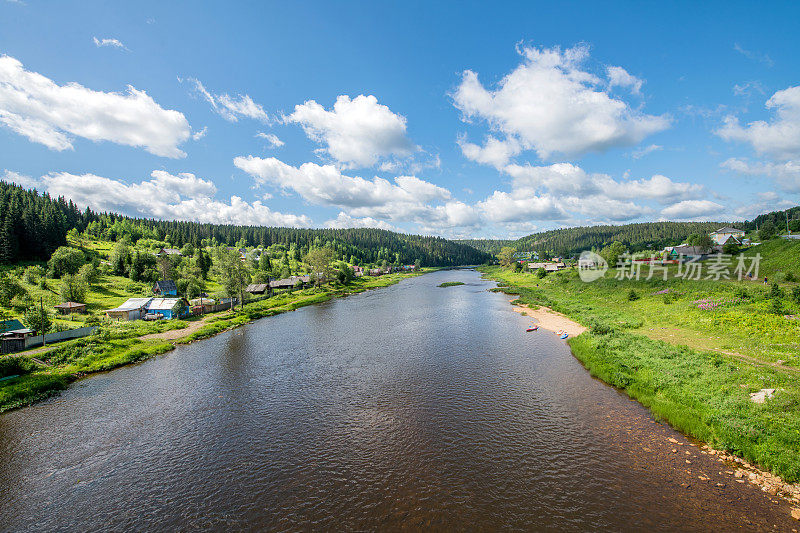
<point>161,304</point>
<point>132,304</point>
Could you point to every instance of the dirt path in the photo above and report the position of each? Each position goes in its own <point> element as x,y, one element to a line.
<point>173,334</point>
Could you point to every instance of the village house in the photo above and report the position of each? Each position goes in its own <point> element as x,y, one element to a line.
<point>358,271</point>
<point>585,263</point>
<point>201,305</point>
<point>257,288</point>
<point>132,309</point>
<point>290,282</point>
<point>67,308</point>
<point>164,252</point>
<point>12,336</point>
<point>165,288</point>
<point>165,308</point>
<point>723,235</point>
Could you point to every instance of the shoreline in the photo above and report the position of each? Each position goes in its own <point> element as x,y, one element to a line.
<point>731,465</point>
<point>43,383</point>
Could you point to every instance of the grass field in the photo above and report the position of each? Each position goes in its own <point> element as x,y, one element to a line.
<point>691,351</point>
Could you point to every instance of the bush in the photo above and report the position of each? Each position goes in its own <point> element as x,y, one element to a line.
<point>541,272</point>
<point>791,278</point>
<point>632,296</point>
<point>65,260</point>
<point>90,273</point>
<point>21,303</point>
<point>741,292</point>
<point>796,294</point>
<point>776,307</point>
<point>775,292</point>
<point>73,288</point>
<point>9,288</point>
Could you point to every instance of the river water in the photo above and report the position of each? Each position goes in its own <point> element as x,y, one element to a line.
<point>406,407</point>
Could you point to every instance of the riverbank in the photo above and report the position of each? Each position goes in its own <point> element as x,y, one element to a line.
<point>702,392</point>
<point>548,319</point>
<point>42,372</point>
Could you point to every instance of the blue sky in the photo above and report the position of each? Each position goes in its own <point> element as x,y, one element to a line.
<point>456,119</point>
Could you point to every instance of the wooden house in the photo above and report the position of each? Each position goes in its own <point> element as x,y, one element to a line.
<point>165,288</point>
<point>257,288</point>
<point>132,309</point>
<point>67,308</point>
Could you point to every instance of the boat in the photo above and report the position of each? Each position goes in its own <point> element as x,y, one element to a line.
<point>532,328</point>
<point>564,335</point>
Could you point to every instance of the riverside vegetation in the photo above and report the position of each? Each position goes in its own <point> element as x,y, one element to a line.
<point>693,351</point>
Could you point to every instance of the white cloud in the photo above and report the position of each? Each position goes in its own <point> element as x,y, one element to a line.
<point>755,56</point>
<point>692,209</point>
<point>343,220</point>
<point>506,207</point>
<point>619,77</point>
<point>231,108</point>
<point>765,202</point>
<point>778,139</point>
<point>786,174</point>
<point>641,152</point>
<point>326,185</point>
<point>196,136</point>
<point>550,105</point>
<point>114,43</point>
<point>9,176</point>
<point>271,138</point>
<point>46,113</point>
<point>166,196</point>
<point>495,152</point>
<point>357,132</point>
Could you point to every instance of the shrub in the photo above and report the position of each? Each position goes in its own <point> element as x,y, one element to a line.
<point>775,292</point>
<point>776,307</point>
<point>73,288</point>
<point>632,295</point>
<point>541,272</point>
<point>741,292</point>
<point>796,294</point>
<point>65,260</point>
<point>9,288</point>
<point>791,278</point>
<point>21,303</point>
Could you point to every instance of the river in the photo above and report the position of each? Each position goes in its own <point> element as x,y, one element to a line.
<point>407,407</point>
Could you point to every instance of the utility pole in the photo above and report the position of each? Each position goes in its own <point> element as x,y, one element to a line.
<point>41,310</point>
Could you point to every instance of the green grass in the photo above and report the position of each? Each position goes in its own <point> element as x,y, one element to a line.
<point>665,352</point>
<point>451,283</point>
<point>778,257</point>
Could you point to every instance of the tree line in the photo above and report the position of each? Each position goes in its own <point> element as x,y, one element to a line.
<point>34,225</point>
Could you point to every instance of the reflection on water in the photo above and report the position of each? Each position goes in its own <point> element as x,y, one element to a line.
<point>406,407</point>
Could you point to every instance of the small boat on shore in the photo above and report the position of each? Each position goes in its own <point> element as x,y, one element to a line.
<point>532,328</point>
<point>564,335</point>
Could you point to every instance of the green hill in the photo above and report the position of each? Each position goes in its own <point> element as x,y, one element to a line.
<point>778,257</point>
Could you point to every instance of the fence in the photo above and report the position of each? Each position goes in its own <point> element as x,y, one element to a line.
<point>57,336</point>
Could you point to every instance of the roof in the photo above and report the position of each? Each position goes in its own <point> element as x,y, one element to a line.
<point>728,230</point>
<point>162,304</point>
<point>689,250</point>
<point>202,301</point>
<point>10,325</point>
<point>289,282</point>
<point>131,304</point>
<point>257,287</point>
<point>165,285</point>
<point>171,251</point>
<point>69,305</point>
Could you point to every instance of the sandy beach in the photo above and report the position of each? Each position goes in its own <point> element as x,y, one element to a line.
<point>548,319</point>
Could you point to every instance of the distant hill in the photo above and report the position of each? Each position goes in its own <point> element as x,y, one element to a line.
<point>571,241</point>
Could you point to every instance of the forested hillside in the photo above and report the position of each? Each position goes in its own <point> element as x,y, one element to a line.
<point>570,241</point>
<point>33,225</point>
<point>778,218</point>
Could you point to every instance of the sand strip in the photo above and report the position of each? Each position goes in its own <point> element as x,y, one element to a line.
<point>548,319</point>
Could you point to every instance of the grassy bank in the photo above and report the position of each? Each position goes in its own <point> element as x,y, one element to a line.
<point>691,363</point>
<point>42,374</point>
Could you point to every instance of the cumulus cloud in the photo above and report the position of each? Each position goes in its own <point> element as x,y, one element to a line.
<point>181,196</point>
<point>405,199</point>
<point>34,106</point>
<point>692,209</point>
<point>114,43</point>
<point>271,138</point>
<point>494,152</point>
<point>22,180</point>
<point>231,108</point>
<point>355,133</point>
<point>786,174</point>
<point>343,220</point>
<point>551,105</point>
<point>779,138</point>
<point>507,207</point>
